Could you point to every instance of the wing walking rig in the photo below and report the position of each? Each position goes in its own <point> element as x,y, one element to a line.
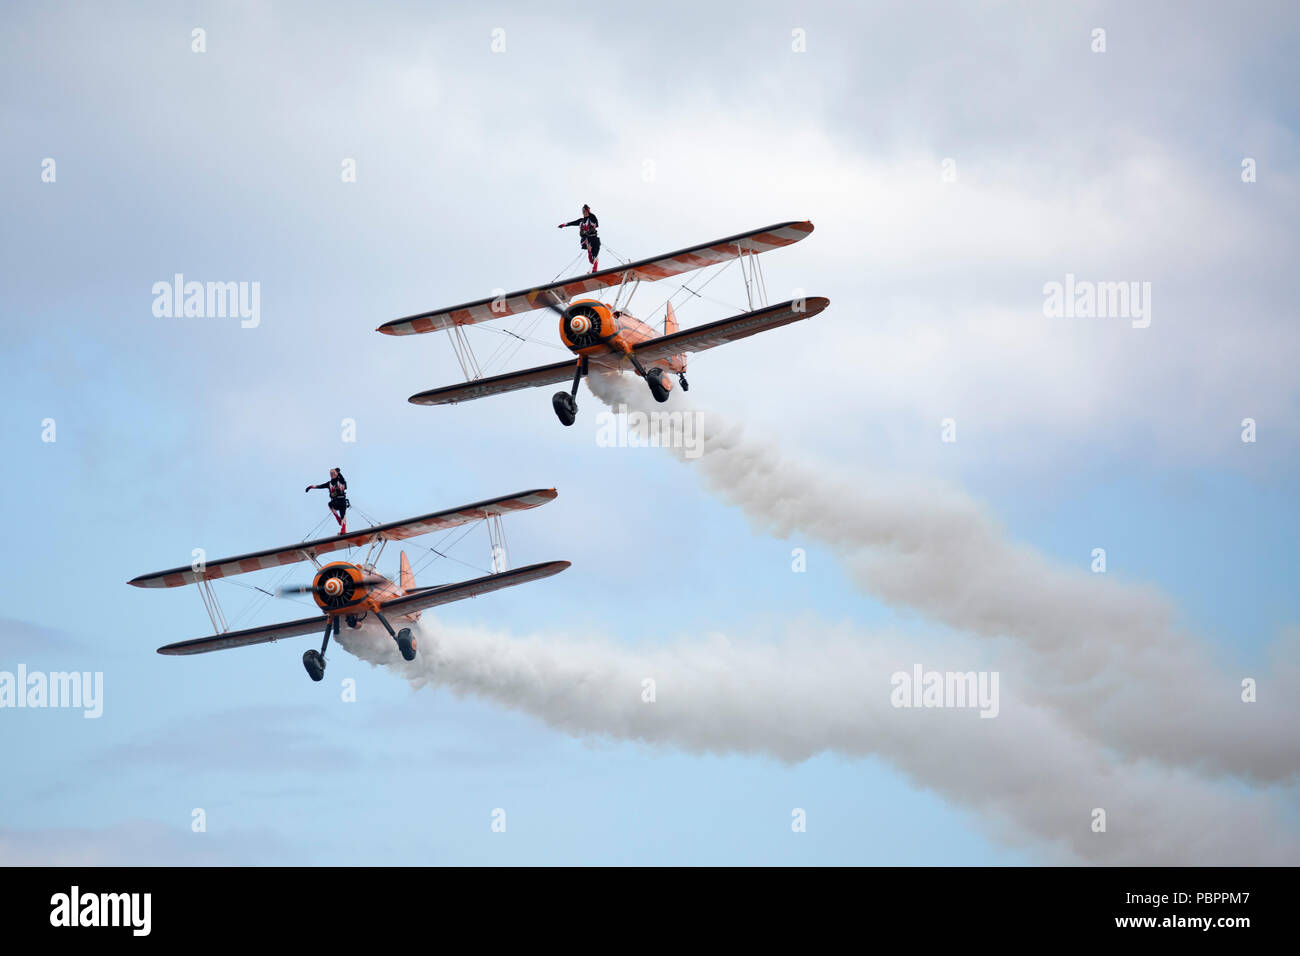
<point>349,592</point>
<point>609,337</point>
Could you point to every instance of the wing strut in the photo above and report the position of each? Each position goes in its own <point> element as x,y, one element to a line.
<point>469,363</point>
<point>755,284</point>
<point>213,606</point>
<point>497,538</point>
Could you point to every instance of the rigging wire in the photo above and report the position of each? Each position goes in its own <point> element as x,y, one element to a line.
<point>507,342</point>
<point>571,264</point>
<point>685,287</point>
<point>256,604</point>
<point>512,340</point>
<point>427,561</point>
<point>699,293</point>
<point>549,343</point>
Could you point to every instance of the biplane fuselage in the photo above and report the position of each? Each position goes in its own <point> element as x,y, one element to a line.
<point>604,337</point>
<point>590,327</point>
<point>342,588</point>
<point>346,591</point>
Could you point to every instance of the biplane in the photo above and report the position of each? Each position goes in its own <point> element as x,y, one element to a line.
<point>605,335</point>
<point>348,591</point>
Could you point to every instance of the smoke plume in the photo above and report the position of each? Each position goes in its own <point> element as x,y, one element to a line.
<point>1026,774</point>
<point>1106,655</point>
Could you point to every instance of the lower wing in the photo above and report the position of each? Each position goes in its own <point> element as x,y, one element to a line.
<point>729,330</point>
<point>407,604</point>
<point>425,598</point>
<point>497,384</point>
<point>253,635</point>
<point>652,350</point>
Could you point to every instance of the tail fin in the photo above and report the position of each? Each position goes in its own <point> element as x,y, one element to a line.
<point>675,363</point>
<point>406,579</point>
<point>670,320</point>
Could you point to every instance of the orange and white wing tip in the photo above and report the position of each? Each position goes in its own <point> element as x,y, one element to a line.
<point>675,263</point>
<point>306,550</point>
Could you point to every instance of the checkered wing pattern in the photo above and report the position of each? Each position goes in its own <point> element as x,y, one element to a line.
<point>306,550</point>
<point>658,267</point>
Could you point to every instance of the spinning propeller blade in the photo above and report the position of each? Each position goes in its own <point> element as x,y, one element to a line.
<point>319,589</point>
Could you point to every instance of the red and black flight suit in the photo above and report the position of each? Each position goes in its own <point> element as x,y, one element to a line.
<point>587,226</point>
<point>338,488</point>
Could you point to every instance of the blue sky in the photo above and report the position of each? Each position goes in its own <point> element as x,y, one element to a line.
<point>181,433</point>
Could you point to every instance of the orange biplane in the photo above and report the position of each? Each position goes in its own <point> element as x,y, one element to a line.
<point>347,591</point>
<point>606,335</point>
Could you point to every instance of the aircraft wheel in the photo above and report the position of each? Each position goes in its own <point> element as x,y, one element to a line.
<point>658,383</point>
<point>315,664</point>
<point>406,644</point>
<point>566,408</point>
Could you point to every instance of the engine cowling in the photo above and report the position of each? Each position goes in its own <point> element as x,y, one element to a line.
<point>339,585</point>
<point>587,323</point>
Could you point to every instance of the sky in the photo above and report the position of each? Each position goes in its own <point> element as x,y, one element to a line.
<point>956,159</point>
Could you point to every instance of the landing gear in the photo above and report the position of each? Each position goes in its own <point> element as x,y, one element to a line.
<point>314,660</point>
<point>315,664</point>
<point>566,408</point>
<point>405,642</point>
<point>659,384</point>
<point>566,403</point>
<point>656,378</point>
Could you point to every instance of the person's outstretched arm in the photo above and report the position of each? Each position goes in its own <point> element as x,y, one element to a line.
<point>311,487</point>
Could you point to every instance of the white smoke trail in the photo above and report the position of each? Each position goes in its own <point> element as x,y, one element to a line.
<point>1106,655</point>
<point>1025,772</point>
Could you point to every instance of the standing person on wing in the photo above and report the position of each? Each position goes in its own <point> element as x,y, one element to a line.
<point>587,226</point>
<point>339,503</point>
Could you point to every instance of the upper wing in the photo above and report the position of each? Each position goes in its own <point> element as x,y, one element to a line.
<point>416,601</point>
<point>306,550</point>
<point>659,267</point>
<point>253,635</point>
<point>729,330</point>
<point>509,382</point>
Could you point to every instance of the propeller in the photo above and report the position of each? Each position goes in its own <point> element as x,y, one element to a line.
<point>320,589</point>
